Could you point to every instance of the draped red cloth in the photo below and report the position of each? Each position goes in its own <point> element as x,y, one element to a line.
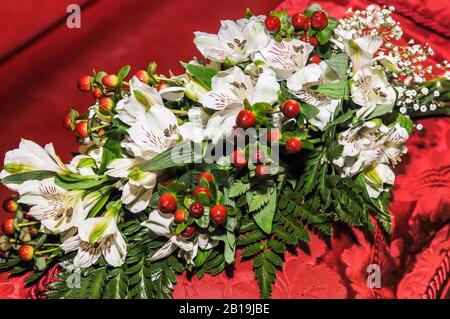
<point>42,61</point>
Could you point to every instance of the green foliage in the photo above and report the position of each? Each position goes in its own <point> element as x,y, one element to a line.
<point>201,73</point>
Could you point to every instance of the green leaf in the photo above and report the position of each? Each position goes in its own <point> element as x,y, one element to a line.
<point>123,72</point>
<point>405,122</point>
<point>252,250</point>
<point>324,35</point>
<point>83,184</point>
<point>264,272</point>
<point>238,188</point>
<point>339,64</point>
<point>202,74</point>
<point>22,177</point>
<point>97,284</point>
<point>180,155</point>
<point>142,99</point>
<point>111,150</point>
<point>264,218</point>
<point>309,111</point>
<point>336,90</point>
<point>117,286</point>
<point>380,110</point>
<point>341,119</point>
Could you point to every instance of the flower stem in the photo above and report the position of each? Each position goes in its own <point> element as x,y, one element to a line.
<point>179,112</point>
<point>41,252</point>
<point>27,224</point>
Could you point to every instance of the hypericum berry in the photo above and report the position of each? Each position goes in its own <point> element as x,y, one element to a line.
<point>238,159</point>
<point>179,216</point>
<point>315,59</point>
<point>97,93</point>
<point>298,20</point>
<point>218,214</point>
<point>33,231</point>
<point>106,103</point>
<point>67,122</point>
<point>272,24</point>
<point>196,209</point>
<point>10,205</point>
<point>82,129</point>
<point>201,190</point>
<point>273,136</point>
<point>167,203</point>
<point>142,75</point>
<point>8,227</point>
<point>262,170</point>
<point>189,232</point>
<point>293,145</point>
<point>26,252</point>
<point>307,24</point>
<point>246,119</point>
<point>319,20</point>
<point>207,175</point>
<point>110,81</point>
<point>84,83</point>
<point>160,86</point>
<point>291,109</point>
<point>257,156</point>
<point>313,41</point>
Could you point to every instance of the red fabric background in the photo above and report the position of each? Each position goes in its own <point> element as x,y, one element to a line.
<point>40,60</point>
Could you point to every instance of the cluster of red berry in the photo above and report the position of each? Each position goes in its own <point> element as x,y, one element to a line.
<point>168,204</point>
<point>25,251</point>
<point>317,21</point>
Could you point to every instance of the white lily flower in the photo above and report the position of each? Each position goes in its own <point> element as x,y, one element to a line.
<point>159,224</point>
<point>361,50</point>
<point>299,83</point>
<point>229,90</point>
<point>31,157</point>
<point>194,129</point>
<point>96,237</point>
<point>235,42</point>
<point>372,148</point>
<point>56,208</point>
<point>286,57</point>
<point>369,89</point>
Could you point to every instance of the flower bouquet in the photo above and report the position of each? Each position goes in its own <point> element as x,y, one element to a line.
<point>285,125</point>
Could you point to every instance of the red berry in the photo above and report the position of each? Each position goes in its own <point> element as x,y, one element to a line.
<point>161,85</point>
<point>84,83</point>
<point>67,122</point>
<point>273,24</point>
<point>97,93</point>
<point>196,209</point>
<point>10,205</point>
<point>111,81</point>
<point>142,76</point>
<point>33,231</point>
<point>82,129</point>
<point>246,119</point>
<point>257,156</point>
<point>167,204</point>
<point>201,190</point>
<point>189,232</point>
<point>304,38</point>
<point>293,145</point>
<point>262,170</point>
<point>26,252</point>
<point>238,159</point>
<point>206,175</point>
<point>106,103</point>
<point>307,24</point>
<point>291,109</point>
<point>298,20</point>
<point>273,136</point>
<point>218,214</point>
<point>319,20</point>
<point>179,216</point>
<point>315,59</point>
<point>313,41</point>
<point>8,227</point>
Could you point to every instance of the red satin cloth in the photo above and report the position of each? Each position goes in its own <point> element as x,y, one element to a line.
<point>414,262</point>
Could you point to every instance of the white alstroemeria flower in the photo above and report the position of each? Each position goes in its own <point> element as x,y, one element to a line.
<point>153,132</point>
<point>159,224</point>
<point>369,89</point>
<point>372,148</point>
<point>361,50</point>
<point>285,57</point>
<point>142,97</point>
<point>299,82</point>
<point>235,42</point>
<point>56,208</point>
<point>96,237</point>
<point>31,157</point>
<point>194,129</point>
<point>229,90</point>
